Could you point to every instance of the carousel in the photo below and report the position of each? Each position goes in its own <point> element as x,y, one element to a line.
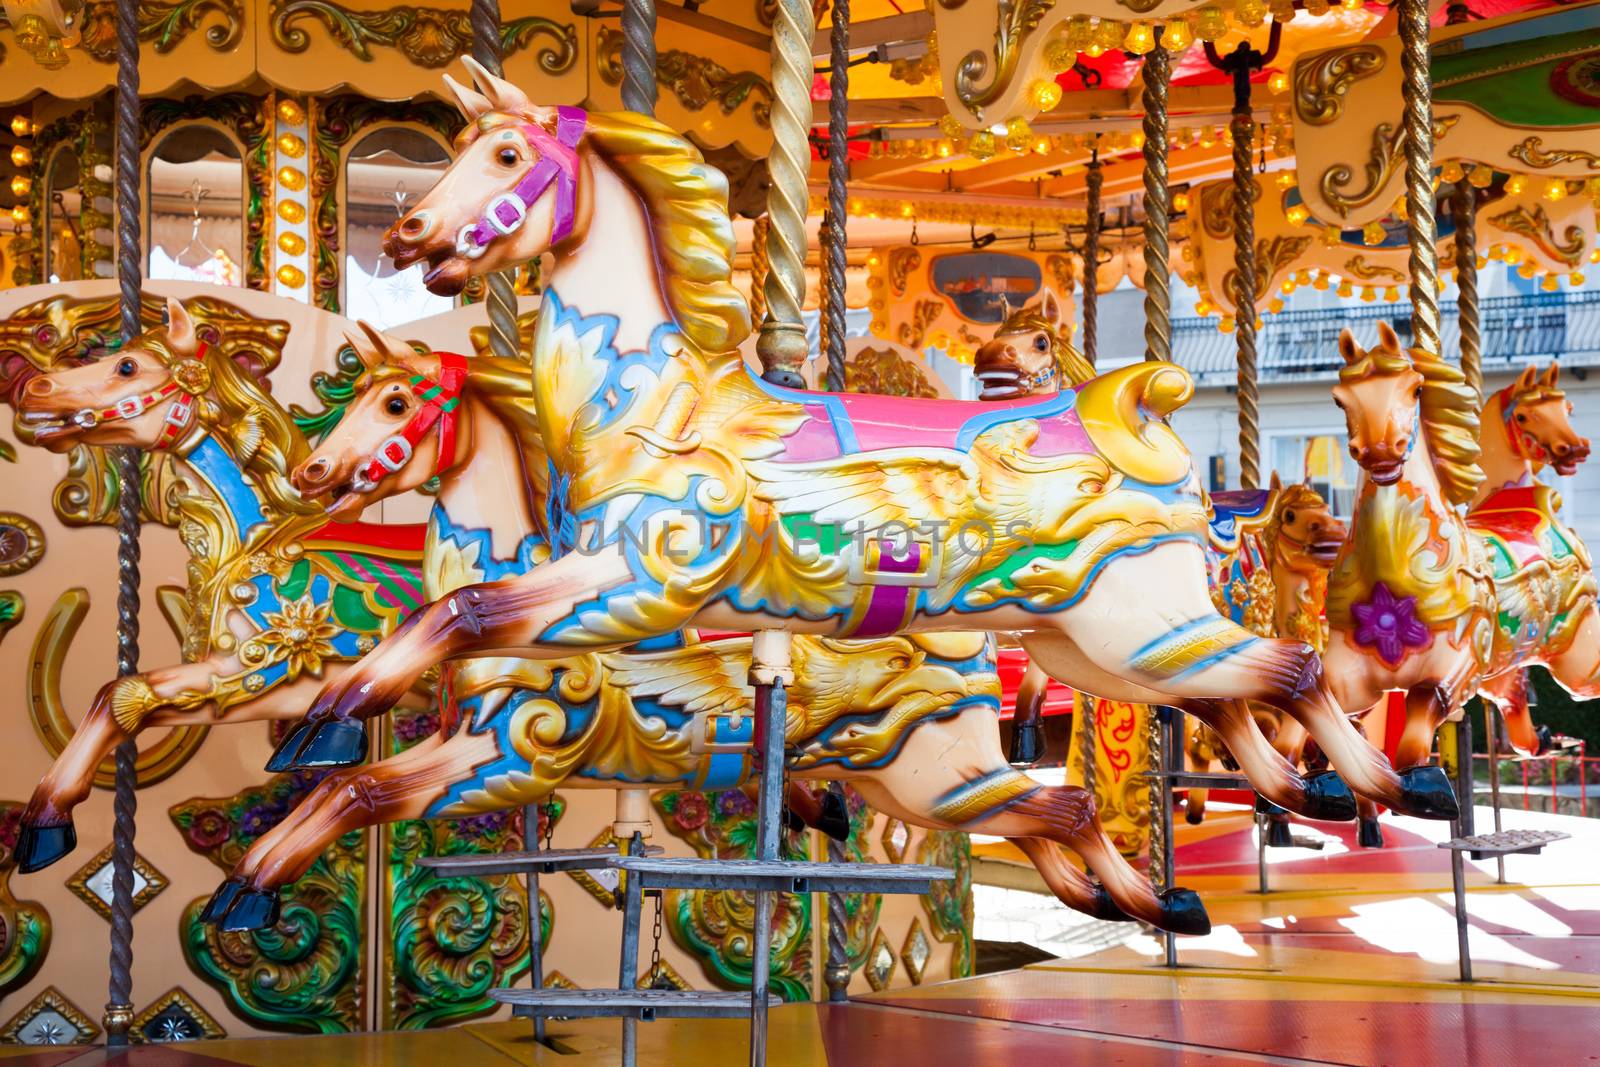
<point>666,534</point>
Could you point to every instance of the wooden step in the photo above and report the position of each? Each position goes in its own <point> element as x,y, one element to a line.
<point>542,862</point>
<point>782,876</point>
<point>644,1004</point>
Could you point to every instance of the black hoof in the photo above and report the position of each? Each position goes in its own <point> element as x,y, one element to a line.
<point>1183,913</point>
<point>835,818</point>
<point>792,822</point>
<point>252,909</point>
<point>1545,737</point>
<point>336,743</point>
<point>1027,744</point>
<point>1279,835</point>
<point>1328,798</point>
<point>283,756</point>
<point>1267,807</point>
<point>217,906</point>
<point>40,846</point>
<point>1106,908</point>
<point>1194,816</point>
<point>1370,835</point>
<point>1427,793</point>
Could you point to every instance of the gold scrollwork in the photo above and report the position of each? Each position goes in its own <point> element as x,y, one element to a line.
<point>902,261</point>
<point>1061,269</point>
<point>1532,222</point>
<point>922,315</point>
<point>1386,155</point>
<point>1272,255</point>
<point>1322,81</point>
<point>1016,19</point>
<point>1216,207</point>
<point>1361,270</point>
<point>695,80</point>
<point>428,36</point>
<point>48,710</point>
<point>1531,150</point>
<point>21,543</point>
<point>163,26</point>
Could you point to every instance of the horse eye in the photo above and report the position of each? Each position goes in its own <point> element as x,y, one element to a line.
<point>396,405</point>
<point>127,368</point>
<point>1521,417</point>
<point>508,157</point>
<point>1041,342</point>
<point>1288,516</point>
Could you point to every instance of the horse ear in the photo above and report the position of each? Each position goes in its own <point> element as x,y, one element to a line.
<point>471,104</point>
<point>1525,380</point>
<point>1553,375</point>
<point>1387,338</point>
<point>180,328</point>
<point>1276,483</point>
<point>1050,308</point>
<point>369,356</point>
<point>388,349</point>
<point>1347,346</point>
<point>502,94</point>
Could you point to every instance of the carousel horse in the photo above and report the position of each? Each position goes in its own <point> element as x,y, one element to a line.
<point>686,492</point>
<point>909,720</point>
<point>279,600</point>
<point>1423,600</point>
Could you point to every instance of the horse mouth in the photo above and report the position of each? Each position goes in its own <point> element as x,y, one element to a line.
<point>345,503</point>
<point>998,383</point>
<point>50,428</point>
<point>1325,552</point>
<point>1387,472</point>
<point>1566,468</point>
<point>446,274</point>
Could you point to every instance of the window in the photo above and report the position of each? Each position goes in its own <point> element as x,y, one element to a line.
<point>385,174</point>
<point>196,214</point>
<point>63,207</point>
<point>1325,459</point>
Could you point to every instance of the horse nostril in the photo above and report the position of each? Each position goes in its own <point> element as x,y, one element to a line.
<point>315,471</point>
<point>1401,445</point>
<point>414,226</point>
<point>40,386</point>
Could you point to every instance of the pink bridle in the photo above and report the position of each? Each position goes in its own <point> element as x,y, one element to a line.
<point>557,163</point>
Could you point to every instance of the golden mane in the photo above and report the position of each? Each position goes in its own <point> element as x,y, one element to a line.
<point>1542,388</point>
<point>255,429</point>
<point>687,201</point>
<point>1070,363</point>
<point>1449,413</point>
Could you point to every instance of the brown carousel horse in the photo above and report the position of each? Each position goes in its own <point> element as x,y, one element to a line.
<point>279,602</point>
<point>908,720</point>
<point>1429,602</point>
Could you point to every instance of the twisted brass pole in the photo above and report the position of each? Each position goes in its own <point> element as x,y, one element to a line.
<point>838,175</point>
<point>1416,92</point>
<point>782,343</point>
<point>1244,300</point>
<point>501,300</point>
<point>118,1017</point>
<point>758,268</point>
<point>1157,208</point>
<point>1092,181</point>
<point>1464,208</point>
<point>639,56</point>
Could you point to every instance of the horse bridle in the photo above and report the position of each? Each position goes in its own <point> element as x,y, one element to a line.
<point>557,164</point>
<point>440,402</point>
<point>178,416</point>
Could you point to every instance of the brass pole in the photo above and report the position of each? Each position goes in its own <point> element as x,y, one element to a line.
<point>1093,179</point>
<point>1416,92</point>
<point>782,342</point>
<point>1157,208</point>
<point>1464,208</point>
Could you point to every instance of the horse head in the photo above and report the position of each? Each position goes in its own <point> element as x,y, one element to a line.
<point>1538,421</point>
<point>1031,354</point>
<point>396,432</point>
<point>1394,401</point>
<point>1303,533</point>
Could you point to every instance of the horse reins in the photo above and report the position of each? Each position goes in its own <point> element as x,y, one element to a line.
<point>441,401</point>
<point>1514,435</point>
<point>178,416</point>
<point>557,164</point>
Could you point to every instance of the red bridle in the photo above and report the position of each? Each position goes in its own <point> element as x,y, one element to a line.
<point>177,418</point>
<point>441,401</point>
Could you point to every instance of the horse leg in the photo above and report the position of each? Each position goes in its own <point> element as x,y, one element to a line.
<point>1027,739</point>
<point>1577,668</point>
<point>1194,805</point>
<point>507,617</point>
<point>1168,636</point>
<point>1426,709</point>
<point>951,775</point>
<point>400,787</point>
<point>802,808</point>
<point>1269,773</point>
<point>1508,691</point>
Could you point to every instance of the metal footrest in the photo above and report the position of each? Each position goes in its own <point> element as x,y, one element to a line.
<point>643,1004</point>
<point>782,876</point>
<point>1199,780</point>
<point>542,862</point>
<point>1506,842</point>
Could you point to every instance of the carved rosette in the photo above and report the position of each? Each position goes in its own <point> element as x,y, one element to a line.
<point>949,906</point>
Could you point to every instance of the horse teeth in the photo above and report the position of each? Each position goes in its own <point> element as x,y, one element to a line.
<point>996,375</point>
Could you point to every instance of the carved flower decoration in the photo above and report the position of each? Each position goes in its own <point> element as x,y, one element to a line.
<point>191,375</point>
<point>1389,625</point>
<point>208,829</point>
<point>300,634</point>
<point>691,811</point>
<point>262,563</point>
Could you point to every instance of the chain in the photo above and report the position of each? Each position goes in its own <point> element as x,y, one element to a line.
<point>655,942</point>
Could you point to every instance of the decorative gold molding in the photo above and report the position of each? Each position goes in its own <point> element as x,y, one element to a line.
<point>1385,157</point>
<point>1016,20</point>
<point>78,884</point>
<point>21,543</point>
<point>200,1023</point>
<point>430,37</point>
<point>922,316</point>
<point>1322,81</point>
<point>163,26</point>
<point>1360,269</point>
<point>1272,255</point>
<point>902,261</point>
<point>695,80</point>
<point>1531,150</point>
<point>1532,222</point>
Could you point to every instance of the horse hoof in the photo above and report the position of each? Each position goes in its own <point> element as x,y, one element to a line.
<point>1183,913</point>
<point>1106,908</point>
<point>835,818</point>
<point>337,743</point>
<point>217,906</point>
<point>1027,744</point>
<point>1427,793</point>
<point>1193,817</point>
<point>1328,798</point>
<point>1278,834</point>
<point>1267,807</point>
<point>283,756</point>
<point>39,846</point>
<point>1370,835</point>
<point>252,909</point>
<point>1545,738</point>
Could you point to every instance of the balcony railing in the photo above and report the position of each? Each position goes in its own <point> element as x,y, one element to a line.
<point>1301,344</point>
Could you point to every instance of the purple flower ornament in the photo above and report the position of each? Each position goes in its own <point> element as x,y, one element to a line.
<point>1389,624</point>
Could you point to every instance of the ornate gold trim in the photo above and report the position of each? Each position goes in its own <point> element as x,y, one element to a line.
<point>1387,152</point>
<point>163,26</point>
<point>26,545</point>
<point>917,937</point>
<point>1016,20</point>
<point>1530,150</point>
<point>78,884</point>
<point>695,80</point>
<point>923,314</point>
<point>50,999</point>
<point>1360,269</point>
<point>902,261</point>
<point>1321,82</point>
<point>208,1027</point>
<point>430,37</point>
<point>1532,222</point>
